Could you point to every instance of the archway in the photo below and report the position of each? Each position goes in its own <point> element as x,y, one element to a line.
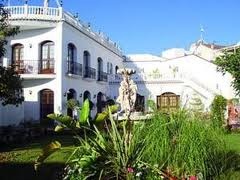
<point>70,95</point>
<point>100,102</point>
<point>46,105</point>
<point>87,95</point>
<point>139,104</point>
<point>168,102</point>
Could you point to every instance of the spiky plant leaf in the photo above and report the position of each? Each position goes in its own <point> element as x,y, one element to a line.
<point>84,112</point>
<point>46,152</point>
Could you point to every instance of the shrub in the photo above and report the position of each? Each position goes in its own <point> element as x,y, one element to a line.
<point>181,145</point>
<point>218,109</point>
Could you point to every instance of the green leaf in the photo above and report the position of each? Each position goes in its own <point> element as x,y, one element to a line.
<point>105,114</point>
<point>101,117</point>
<point>59,128</point>
<point>84,112</point>
<point>46,152</point>
<point>63,119</point>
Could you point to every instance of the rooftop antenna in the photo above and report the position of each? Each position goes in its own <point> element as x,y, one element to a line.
<point>46,3</point>
<point>201,31</point>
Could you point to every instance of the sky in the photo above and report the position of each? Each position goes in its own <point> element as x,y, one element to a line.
<point>151,26</point>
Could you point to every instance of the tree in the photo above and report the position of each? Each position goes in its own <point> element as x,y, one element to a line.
<point>230,62</point>
<point>10,81</point>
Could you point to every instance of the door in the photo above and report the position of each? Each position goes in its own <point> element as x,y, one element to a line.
<point>168,102</point>
<point>46,105</point>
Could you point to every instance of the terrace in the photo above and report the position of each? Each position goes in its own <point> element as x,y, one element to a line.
<point>23,15</point>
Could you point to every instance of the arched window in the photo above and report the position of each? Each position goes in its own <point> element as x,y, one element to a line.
<point>100,69</point>
<point>86,63</point>
<point>116,69</point>
<point>72,54</point>
<point>71,58</point>
<point>47,57</point>
<point>71,95</point>
<point>17,57</point>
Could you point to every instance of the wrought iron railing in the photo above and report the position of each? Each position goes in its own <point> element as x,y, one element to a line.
<point>44,66</point>
<point>89,73</point>
<point>102,76</point>
<point>74,68</point>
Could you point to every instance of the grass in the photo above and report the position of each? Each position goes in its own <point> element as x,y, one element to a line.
<point>18,162</point>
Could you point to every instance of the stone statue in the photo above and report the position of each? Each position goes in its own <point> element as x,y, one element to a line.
<point>127,91</point>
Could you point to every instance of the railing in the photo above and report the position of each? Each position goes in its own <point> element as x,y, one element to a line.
<point>89,73</point>
<point>102,76</point>
<point>57,14</point>
<point>151,77</point>
<point>45,66</point>
<point>33,12</point>
<point>74,68</point>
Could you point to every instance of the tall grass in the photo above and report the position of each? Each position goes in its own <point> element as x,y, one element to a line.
<point>183,145</point>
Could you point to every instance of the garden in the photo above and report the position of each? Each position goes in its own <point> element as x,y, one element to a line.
<point>177,145</point>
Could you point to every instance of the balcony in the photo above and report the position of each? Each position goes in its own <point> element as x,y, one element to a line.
<point>32,67</point>
<point>74,68</point>
<point>35,16</point>
<point>89,73</point>
<point>102,76</point>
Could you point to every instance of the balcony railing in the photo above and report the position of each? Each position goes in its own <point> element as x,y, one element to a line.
<point>102,76</point>
<point>39,13</point>
<point>89,73</point>
<point>34,66</point>
<point>74,68</point>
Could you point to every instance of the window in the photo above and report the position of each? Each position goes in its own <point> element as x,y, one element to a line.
<point>17,53</point>
<point>47,57</point>
<point>17,58</point>
<point>71,53</point>
<point>1,61</point>
<point>109,68</point>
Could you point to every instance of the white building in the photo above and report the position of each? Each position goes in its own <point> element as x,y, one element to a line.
<point>177,77</point>
<point>59,58</point>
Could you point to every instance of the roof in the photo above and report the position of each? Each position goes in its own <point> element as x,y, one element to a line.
<point>144,57</point>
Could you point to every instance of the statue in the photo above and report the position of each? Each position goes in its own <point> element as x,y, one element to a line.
<point>127,91</point>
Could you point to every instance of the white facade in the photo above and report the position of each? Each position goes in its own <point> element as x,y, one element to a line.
<point>61,58</point>
<point>64,40</point>
<point>180,72</point>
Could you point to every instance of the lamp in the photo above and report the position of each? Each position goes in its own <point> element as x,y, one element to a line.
<point>94,96</point>
<point>30,45</point>
<point>65,93</point>
<point>80,95</point>
<point>30,92</point>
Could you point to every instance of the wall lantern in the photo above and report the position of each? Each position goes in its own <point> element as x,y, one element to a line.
<point>80,95</point>
<point>65,93</point>
<point>30,92</point>
<point>94,96</point>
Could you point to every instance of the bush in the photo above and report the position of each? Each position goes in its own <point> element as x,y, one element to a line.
<point>218,109</point>
<point>181,145</point>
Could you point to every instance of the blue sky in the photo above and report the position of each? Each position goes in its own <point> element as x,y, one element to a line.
<point>150,26</point>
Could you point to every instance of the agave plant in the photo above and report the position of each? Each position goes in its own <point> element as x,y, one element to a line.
<point>67,122</point>
<point>107,155</point>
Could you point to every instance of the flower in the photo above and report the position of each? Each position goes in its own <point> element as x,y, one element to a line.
<point>130,170</point>
<point>138,174</point>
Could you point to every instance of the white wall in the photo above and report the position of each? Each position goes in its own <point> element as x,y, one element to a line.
<point>193,75</point>
<point>11,115</point>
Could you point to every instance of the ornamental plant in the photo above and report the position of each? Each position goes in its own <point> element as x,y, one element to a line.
<point>218,110</point>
